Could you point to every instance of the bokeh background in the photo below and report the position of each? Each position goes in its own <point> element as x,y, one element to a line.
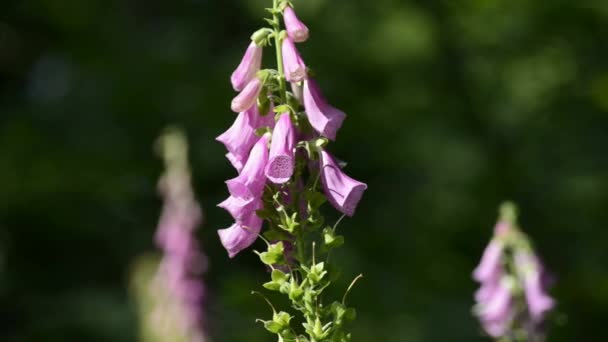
<point>453,106</point>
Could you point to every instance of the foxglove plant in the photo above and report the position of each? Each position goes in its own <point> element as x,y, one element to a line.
<point>512,301</point>
<point>180,293</point>
<point>278,144</point>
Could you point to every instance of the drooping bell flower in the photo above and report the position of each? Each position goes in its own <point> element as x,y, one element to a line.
<point>496,312</point>
<point>238,207</point>
<point>343,192</point>
<point>295,69</point>
<point>295,28</point>
<point>247,97</point>
<point>240,137</point>
<point>281,161</point>
<point>249,66</point>
<point>324,118</point>
<point>531,270</point>
<point>490,263</point>
<point>241,234</point>
<point>249,184</point>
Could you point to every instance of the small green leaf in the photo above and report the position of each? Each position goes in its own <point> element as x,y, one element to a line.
<point>278,276</point>
<point>282,108</point>
<point>273,327</point>
<point>272,286</point>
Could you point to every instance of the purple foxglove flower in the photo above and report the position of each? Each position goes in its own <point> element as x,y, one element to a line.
<point>182,263</point>
<point>238,207</point>
<point>496,313</point>
<point>531,270</point>
<point>240,137</point>
<point>324,118</point>
<point>488,287</point>
<point>241,234</point>
<point>281,161</point>
<point>249,66</point>
<point>295,69</point>
<point>250,183</point>
<point>491,263</point>
<point>295,28</point>
<point>342,191</point>
<point>247,97</point>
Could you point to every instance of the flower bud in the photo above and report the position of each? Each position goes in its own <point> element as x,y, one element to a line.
<point>324,118</point>
<point>281,161</point>
<point>295,28</point>
<point>295,69</point>
<point>249,66</point>
<point>248,96</point>
<point>343,192</point>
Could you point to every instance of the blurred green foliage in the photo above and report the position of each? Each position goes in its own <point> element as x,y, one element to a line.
<point>453,106</point>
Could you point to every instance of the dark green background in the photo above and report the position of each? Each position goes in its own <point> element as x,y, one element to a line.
<point>453,106</point>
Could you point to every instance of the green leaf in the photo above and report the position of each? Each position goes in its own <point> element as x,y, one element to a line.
<point>278,276</point>
<point>273,327</point>
<point>272,286</point>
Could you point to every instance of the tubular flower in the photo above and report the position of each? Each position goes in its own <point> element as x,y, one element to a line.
<point>248,96</point>
<point>295,69</point>
<point>238,207</point>
<point>503,288</point>
<point>249,184</point>
<point>341,191</point>
<point>281,161</point>
<point>295,28</point>
<point>241,234</point>
<point>531,270</point>
<point>324,118</point>
<point>249,66</point>
<point>496,313</point>
<point>490,263</point>
<point>240,137</point>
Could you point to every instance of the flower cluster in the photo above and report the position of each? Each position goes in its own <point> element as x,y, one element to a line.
<point>278,145</point>
<point>263,140</point>
<point>180,293</point>
<point>512,301</point>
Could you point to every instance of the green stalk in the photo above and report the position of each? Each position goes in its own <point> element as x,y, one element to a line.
<point>279,51</point>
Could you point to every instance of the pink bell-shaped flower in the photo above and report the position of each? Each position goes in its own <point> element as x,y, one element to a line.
<point>240,137</point>
<point>238,207</point>
<point>249,184</point>
<point>531,270</point>
<point>241,234</point>
<point>343,192</point>
<point>295,28</point>
<point>490,263</point>
<point>324,118</point>
<point>281,161</point>
<point>247,97</point>
<point>496,312</point>
<point>249,66</point>
<point>295,69</point>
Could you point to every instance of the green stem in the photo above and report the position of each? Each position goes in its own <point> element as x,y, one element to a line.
<point>279,51</point>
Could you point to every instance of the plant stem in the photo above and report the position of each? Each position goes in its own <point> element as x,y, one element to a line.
<point>279,51</point>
